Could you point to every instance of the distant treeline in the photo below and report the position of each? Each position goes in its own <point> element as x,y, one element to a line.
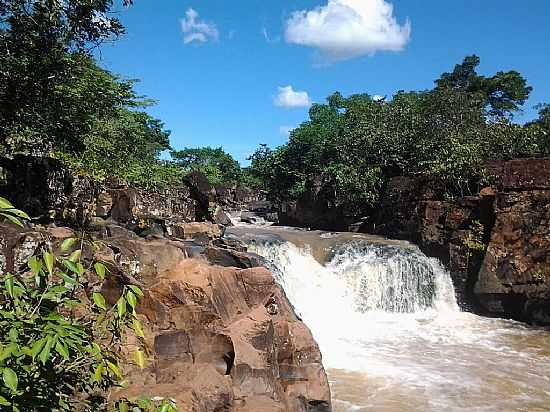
<point>351,146</point>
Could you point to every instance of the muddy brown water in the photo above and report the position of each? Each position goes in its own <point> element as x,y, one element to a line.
<point>435,358</point>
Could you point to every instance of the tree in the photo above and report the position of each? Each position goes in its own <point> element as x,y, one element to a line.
<point>541,128</point>
<point>45,64</point>
<point>217,165</point>
<point>503,94</point>
<point>351,146</point>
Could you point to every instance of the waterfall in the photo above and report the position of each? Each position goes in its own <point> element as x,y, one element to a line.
<point>391,334</point>
<point>362,276</point>
<point>344,300</point>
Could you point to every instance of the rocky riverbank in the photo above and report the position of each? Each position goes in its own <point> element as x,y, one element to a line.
<point>222,336</point>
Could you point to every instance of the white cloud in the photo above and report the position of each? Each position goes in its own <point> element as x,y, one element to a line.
<point>344,29</point>
<point>289,98</point>
<point>285,130</point>
<point>197,30</point>
<point>377,97</point>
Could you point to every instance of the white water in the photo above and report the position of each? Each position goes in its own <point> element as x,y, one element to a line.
<point>393,338</point>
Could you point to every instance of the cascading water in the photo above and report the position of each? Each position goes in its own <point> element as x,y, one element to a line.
<point>391,334</point>
<point>391,279</point>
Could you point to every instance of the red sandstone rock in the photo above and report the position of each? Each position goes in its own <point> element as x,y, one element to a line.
<point>200,316</point>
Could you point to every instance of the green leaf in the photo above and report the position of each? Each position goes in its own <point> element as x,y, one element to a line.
<point>139,358</point>
<point>4,401</point>
<point>115,369</point>
<point>131,298</point>
<point>19,213</point>
<point>5,204</point>
<point>45,353</point>
<point>61,348</point>
<point>138,328</point>
<point>75,256</point>
<point>98,373</point>
<point>67,244</point>
<point>165,408</point>
<point>121,306</point>
<point>71,266</point>
<point>99,300</point>
<point>9,285</point>
<point>35,264</point>
<point>49,258</point>
<point>37,347</point>
<point>13,334</point>
<point>10,379</point>
<point>100,269</point>
<point>12,219</point>
<point>7,351</point>
<point>67,278</point>
<point>144,403</point>
<point>136,290</point>
<point>123,407</point>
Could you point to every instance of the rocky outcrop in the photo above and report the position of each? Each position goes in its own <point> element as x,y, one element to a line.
<point>515,274</point>
<point>48,191</point>
<point>220,338</point>
<point>453,231</point>
<point>316,209</point>
<point>496,245</point>
<point>226,339</point>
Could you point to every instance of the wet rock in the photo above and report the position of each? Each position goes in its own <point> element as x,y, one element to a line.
<point>221,218</point>
<point>232,258</point>
<point>501,271</point>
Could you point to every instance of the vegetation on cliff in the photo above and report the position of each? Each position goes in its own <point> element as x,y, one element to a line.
<point>350,146</point>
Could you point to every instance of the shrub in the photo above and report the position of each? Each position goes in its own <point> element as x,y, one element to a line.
<point>60,342</point>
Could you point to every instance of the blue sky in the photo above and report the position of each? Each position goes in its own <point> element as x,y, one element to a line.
<point>217,77</point>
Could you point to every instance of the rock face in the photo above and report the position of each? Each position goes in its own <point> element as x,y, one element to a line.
<point>315,210</point>
<point>226,339</point>
<point>45,189</point>
<point>496,245</point>
<point>220,338</point>
<point>515,274</point>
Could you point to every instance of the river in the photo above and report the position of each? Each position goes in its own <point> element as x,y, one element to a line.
<point>392,336</point>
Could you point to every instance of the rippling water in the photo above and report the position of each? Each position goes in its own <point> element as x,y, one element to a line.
<point>391,333</point>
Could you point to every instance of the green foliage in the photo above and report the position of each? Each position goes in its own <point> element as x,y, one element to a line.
<point>473,240</point>
<point>351,146</point>
<point>56,100</point>
<point>146,405</point>
<point>217,165</point>
<point>8,212</point>
<point>59,340</point>
<point>48,96</point>
<point>502,94</point>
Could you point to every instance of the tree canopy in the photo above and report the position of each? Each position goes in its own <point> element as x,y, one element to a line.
<point>217,165</point>
<point>350,146</point>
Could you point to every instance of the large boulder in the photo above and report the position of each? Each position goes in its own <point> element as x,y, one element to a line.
<point>227,339</point>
